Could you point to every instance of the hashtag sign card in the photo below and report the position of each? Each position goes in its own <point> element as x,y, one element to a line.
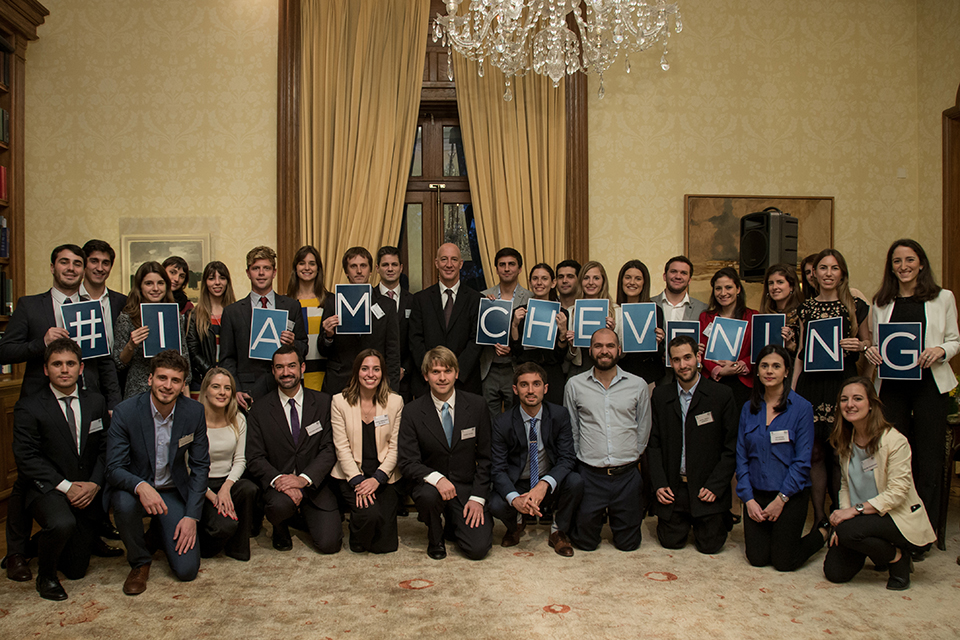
<point>84,322</point>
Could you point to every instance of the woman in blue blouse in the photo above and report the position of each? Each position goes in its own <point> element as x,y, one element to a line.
<point>773,467</point>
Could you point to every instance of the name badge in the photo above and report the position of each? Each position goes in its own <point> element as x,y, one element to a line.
<point>708,330</point>
<point>406,313</point>
<point>313,428</point>
<point>96,425</point>
<point>466,434</point>
<point>869,464</point>
<point>290,325</point>
<point>381,421</point>
<point>779,436</point>
<point>377,311</point>
<point>704,418</point>
<point>185,440</point>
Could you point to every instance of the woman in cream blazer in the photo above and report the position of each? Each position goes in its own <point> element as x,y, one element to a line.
<point>880,514</point>
<point>918,408</point>
<point>365,419</point>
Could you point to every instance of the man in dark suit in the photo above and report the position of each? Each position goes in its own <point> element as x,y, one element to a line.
<point>524,483</point>
<point>390,269</point>
<point>692,453</point>
<point>290,452</point>
<point>36,322</point>
<point>445,315</point>
<point>341,350</point>
<point>254,377</point>
<point>150,437</point>
<point>444,448</point>
<point>59,438</point>
<point>100,258</point>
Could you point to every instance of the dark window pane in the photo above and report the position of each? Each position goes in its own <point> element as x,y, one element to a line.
<point>454,163</point>
<point>416,165</point>
<point>460,228</point>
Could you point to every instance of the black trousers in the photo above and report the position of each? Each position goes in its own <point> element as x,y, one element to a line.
<point>219,533</point>
<point>475,543</point>
<point>19,521</point>
<point>781,543</point>
<point>709,531</point>
<point>870,535</point>
<point>919,411</point>
<point>564,502</point>
<point>372,528</point>
<point>619,496</point>
<point>67,534</point>
<point>323,526</point>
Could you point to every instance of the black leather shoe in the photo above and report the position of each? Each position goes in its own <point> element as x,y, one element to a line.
<point>108,531</point>
<point>437,553</point>
<point>281,538</point>
<point>102,550</point>
<point>18,568</point>
<point>50,589</point>
<point>900,573</point>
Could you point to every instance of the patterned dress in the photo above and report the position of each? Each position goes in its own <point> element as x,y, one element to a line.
<point>316,364</point>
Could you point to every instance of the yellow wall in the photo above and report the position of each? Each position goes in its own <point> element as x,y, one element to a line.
<point>777,97</point>
<point>154,117</point>
<point>151,117</point>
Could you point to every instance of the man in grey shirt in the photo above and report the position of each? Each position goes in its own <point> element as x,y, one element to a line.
<point>610,414</point>
<point>675,299</point>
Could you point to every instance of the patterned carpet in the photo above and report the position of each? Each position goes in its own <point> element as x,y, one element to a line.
<point>525,591</point>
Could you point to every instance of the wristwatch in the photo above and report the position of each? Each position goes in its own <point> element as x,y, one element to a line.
<point>785,499</point>
<point>859,508</point>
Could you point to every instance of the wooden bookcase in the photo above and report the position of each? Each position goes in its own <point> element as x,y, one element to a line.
<point>19,20</point>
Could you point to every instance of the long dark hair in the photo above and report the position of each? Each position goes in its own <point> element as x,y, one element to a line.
<point>553,290</point>
<point>767,304</point>
<point>204,309</point>
<point>809,290</point>
<point>741,305</point>
<point>293,286</point>
<point>756,394</point>
<point>644,291</point>
<point>841,437</point>
<point>843,288</point>
<point>352,391</point>
<point>926,288</point>
<point>134,298</point>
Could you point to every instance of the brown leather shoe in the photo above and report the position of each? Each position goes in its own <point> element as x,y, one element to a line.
<point>512,538</point>
<point>561,544</point>
<point>18,568</point>
<point>136,582</point>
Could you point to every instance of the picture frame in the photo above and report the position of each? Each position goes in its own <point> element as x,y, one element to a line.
<point>139,248</point>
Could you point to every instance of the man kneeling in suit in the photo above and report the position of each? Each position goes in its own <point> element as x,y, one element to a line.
<point>59,437</point>
<point>533,462</point>
<point>692,453</point>
<point>290,452</point>
<point>150,437</point>
<point>445,451</point>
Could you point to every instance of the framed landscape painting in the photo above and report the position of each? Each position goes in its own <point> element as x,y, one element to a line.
<point>137,249</point>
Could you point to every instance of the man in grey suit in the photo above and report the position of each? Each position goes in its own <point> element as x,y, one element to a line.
<point>675,299</point>
<point>496,363</point>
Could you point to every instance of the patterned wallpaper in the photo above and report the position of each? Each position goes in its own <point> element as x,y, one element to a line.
<point>151,117</point>
<point>777,97</point>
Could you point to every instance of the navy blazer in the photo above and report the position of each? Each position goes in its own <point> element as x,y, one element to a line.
<point>428,330</point>
<point>423,446</point>
<point>711,444</point>
<point>131,450</point>
<point>271,450</point>
<point>43,445</point>
<point>254,376</point>
<point>510,447</point>
<point>23,342</point>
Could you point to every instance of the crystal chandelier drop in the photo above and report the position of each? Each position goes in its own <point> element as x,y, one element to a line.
<point>516,36</point>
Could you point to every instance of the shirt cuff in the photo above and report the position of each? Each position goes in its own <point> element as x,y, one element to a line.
<point>272,482</point>
<point>307,478</point>
<point>551,482</point>
<point>64,486</point>
<point>381,477</point>
<point>513,495</point>
<point>478,499</point>
<point>433,478</point>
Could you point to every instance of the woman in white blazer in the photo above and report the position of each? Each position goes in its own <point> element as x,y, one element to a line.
<point>880,515</point>
<point>365,419</point>
<point>918,409</point>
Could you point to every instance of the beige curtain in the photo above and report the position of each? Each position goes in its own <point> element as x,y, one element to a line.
<point>362,69</point>
<point>515,155</point>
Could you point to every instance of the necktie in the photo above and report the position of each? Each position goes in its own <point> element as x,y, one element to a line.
<point>447,421</point>
<point>448,307</point>
<point>263,302</point>
<point>294,421</point>
<point>72,422</point>
<point>534,454</point>
<point>67,301</point>
<point>391,295</point>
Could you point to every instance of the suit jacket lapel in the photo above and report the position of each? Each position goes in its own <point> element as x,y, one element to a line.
<point>436,299</point>
<point>432,420</point>
<point>84,424</point>
<point>309,409</point>
<point>521,435</point>
<point>147,431</point>
<point>48,315</point>
<point>459,305</point>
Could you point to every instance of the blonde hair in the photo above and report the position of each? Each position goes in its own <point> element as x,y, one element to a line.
<point>604,290</point>
<point>261,253</point>
<point>439,355</point>
<point>232,409</point>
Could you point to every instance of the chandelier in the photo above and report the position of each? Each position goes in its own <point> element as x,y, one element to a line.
<point>517,36</point>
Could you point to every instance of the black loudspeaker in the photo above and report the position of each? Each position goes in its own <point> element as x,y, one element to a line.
<point>767,237</point>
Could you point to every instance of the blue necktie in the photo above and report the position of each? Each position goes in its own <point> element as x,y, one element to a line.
<point>294,421</point>
<point>534,455</point>
<point>447,421</point>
